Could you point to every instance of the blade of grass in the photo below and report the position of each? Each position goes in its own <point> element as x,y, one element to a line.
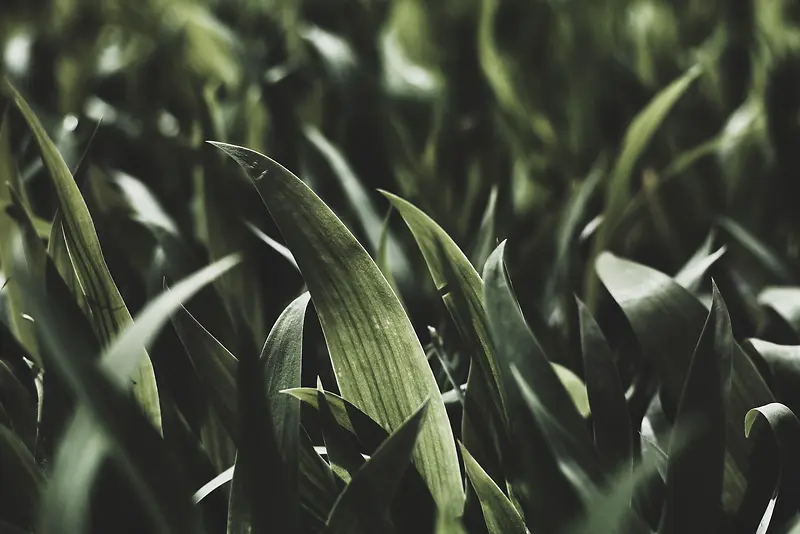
<point>618,189</point>
<point>500,515</point>
<point>370,339</point>
<point>695,472</point>
<point>363,503</point>
<point>610,415</point>
<point>517,347</point>
<point>667,321</point>
<point>9,178</point>
<point>785,434</point>
<point>109,313</point>
<point>691,274</point>
<point>215,365</point>
<point>343,451</point>
<point>347,416</point>
<point>461,289</point>
<point>281,363</point>
<point>277,247</point>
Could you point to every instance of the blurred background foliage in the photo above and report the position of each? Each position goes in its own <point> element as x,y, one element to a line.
<point>499,118</point>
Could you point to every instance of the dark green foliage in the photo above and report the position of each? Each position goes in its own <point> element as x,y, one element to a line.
<point>619,154</point>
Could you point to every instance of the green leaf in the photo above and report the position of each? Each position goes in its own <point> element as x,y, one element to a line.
<point>613,433</point>
<point>343,450</point>
<point>461,292</point>
<point>500,515</point>
<point>691,274</point>
<point>771,262</point>
<point>318,489</point>
<point>785,301</point>
<point>347,416</point>
<point>212,485</point>
<point>259,457</point>
<point>618,188</point>
<point>361,203</point>
<point>667,321</point>
<point>57,404</point>
<point>549,488</point>
<point>139,450</point>
<point>215,366</point>
<point>486,239</point>
<point>109,313</point>
<point>268,449</point>
<point>77,464</point>
<point>461,289</point>
<point>575,388</point>
<point>370,339</point>
<point>782,369</point>
<point>452,525</point>
<point>22,481</point>
<point>365,500</point>
<point>695,471</point>
<point>9,179</point>
<point>276,246</point>
<point>58,250</point>
<point>281,362</point>
<point>785,436</point>
<point>611,510</point>
<point>517,347</point>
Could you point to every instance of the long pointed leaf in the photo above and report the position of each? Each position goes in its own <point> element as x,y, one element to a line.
<point>518,347</point>
<point>362,504</point>
<point>637,138</point>
<point>667,321</point>
<point>109,313</point>
<point>610,416</point>
<point>500,515</point>
<point>370,339</point>
<point>695,472</point>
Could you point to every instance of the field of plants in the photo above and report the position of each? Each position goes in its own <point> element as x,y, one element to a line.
<point>398,266</point>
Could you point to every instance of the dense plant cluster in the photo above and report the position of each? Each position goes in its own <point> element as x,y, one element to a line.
<point>198,337</point>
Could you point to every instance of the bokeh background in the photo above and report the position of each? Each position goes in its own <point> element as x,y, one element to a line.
<point>502,119</point>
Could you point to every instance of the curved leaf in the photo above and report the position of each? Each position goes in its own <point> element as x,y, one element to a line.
<point>215,366</point>
<point>213,484</point>
<point>613,435</point>
<point>549,488</point>
<point>281,360</point>
<point>9,180</point>
<point>363,503</point>
<point>461,289</point>
<point>785,433</point>
<point>691,275</point>
<point>517,347</point>
<point>667,321</point>
<point>695,471</point>
<point>785,301</point>
<point>459,284</point>
<point>109,314</point>
<point>370,339</point>
<point>342,449</point>
<point>637,138</point>
<point>349,417</point>
<point>268,446</point>
<point>277,247</point>
<point>500,515</point>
